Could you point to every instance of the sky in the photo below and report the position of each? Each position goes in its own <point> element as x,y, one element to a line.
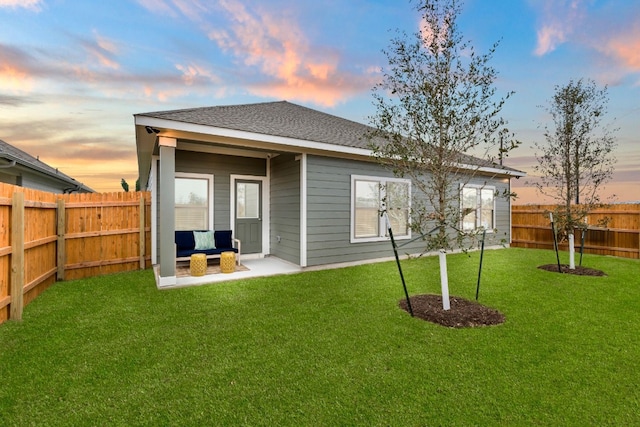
<point>74,72</point>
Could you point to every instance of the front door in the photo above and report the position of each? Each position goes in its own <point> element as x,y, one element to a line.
<point>249,215</point>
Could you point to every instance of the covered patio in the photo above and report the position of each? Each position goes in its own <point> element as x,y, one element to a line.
<point>253,267</point>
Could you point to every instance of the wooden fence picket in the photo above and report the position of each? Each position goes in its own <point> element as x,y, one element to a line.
<point>46,237</point>
<point>621,237</point>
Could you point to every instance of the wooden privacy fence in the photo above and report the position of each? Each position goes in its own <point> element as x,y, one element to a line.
<point>530,228</point>
<point>45,237</point>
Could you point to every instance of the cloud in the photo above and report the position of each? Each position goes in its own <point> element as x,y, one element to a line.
<point>625,47</point>
<point>160,7</point>
<point>15,101</point>
<point>559,19</point>
<point>609,29</point>
<point>193,74</point>
<point>276,46</point>
<point>275,56</point>
<point>34,5</point>
<point>102,49</point>
<point>16,68</point>
<point>92,160</point>
<point>91,64</point>
<point>19,69</point>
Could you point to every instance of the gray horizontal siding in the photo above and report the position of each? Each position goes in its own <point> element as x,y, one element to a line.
<point>285,208</point>
<point>329,213</point>
<point>221,167</point>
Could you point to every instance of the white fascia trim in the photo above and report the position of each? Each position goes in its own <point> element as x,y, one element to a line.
<point>252,136</point>
<point>490,170</point>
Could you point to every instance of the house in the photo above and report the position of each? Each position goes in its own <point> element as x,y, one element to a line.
<point>22,169</point>
<point>291,182</point>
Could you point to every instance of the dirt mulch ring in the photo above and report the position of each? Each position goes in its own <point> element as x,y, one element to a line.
<point>578,271</point>
<point>462,313</point>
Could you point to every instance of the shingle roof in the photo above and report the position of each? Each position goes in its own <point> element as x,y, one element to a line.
<point>285,119</point>
<point>10,152</point>
<point>280,118</point>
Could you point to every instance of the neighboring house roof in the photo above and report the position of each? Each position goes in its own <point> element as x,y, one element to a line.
<point>279,119</point>
<point>15,157</point>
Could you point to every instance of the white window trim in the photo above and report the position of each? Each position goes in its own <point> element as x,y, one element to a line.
<point>208,177</point>
<point>382,225</point>
<point>479,206</point>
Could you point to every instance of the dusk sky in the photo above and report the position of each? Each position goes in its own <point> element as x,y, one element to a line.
<point>74,72</point>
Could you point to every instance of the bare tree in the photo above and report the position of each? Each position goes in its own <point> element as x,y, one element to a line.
<point>435,105</point>
<point>577,159</point>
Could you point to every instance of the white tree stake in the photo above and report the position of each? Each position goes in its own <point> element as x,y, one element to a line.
<point>444,280</point>
<point>572,252</point>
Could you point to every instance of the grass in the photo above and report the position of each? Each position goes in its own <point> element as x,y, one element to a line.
<point>330,348</point>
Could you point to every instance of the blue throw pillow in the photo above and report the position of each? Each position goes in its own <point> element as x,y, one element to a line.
<point>223,239</point>
<point>204,240</point>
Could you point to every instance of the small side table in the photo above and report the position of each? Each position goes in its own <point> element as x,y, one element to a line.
<point>198,264</point>
<point>228,262</point>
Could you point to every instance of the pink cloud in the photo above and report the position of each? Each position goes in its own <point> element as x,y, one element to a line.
<point>15,68</point>
<point>272,48</point>
<point>102,50</point>
<point>34,5</point>
<point>626,48</point>
<point>280,50</point>
<point>193,73</point>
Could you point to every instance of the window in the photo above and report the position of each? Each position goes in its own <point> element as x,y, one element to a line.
<point>194,201</point>
<point>248,200</point>
<point>371,195</point>
<point>477,207</point>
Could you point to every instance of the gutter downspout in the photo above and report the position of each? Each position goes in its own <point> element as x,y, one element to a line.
<point>7,166</point>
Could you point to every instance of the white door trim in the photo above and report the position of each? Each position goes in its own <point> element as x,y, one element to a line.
<point>266,214</point>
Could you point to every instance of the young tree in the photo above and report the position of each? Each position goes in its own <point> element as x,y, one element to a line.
<point>435,105</point>
<point>577,159</point>
<point>125,185</point>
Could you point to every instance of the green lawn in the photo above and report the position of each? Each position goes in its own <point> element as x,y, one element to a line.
<point>330,348</point>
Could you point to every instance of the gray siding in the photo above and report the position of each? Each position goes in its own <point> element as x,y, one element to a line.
<point>42,183</point>
<point>9,178</point>
<point>329,213</point>
<point>221,167</point>
<point>285,208</point>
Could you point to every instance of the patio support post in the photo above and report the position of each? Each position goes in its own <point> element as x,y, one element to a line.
<point>167,221</point>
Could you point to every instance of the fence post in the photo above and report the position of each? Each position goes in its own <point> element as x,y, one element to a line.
<point>17,256</point>
<point>142,232</point>
<point>61,249</point>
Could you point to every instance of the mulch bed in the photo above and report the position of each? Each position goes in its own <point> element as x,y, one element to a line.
<point>578,271</point>
<point>461,314</point>
<point>469,314</point>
